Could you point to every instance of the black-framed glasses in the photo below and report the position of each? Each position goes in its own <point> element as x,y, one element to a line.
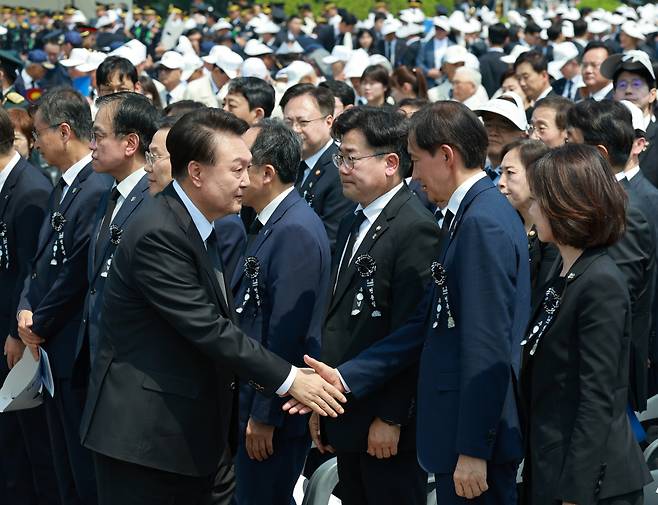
<point>37,133</point>
<point>340,159</point>
<point>303,123</point>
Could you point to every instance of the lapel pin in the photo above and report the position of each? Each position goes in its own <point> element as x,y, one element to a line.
<point>310,185</point>
<point>378,228</point>
<point>74,190</point>
<point>374,235</point>
<point>571,276</point>
<point>132,199</point>
<point>317,172</point>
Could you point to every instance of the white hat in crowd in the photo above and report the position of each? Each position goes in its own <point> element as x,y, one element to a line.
<point>510,106</point>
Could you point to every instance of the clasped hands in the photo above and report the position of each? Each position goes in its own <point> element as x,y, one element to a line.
<point>27,336</point>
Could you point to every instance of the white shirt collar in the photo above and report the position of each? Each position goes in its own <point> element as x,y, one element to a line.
<point>203,226</point>
<point>178,92</point>
<point>601,94</point>
<point>265,214</point>
<point>544,93</point>
<point>375,208</point>
<point>648,120</point>
<point>129,183</point>
<point>496,49</point>
<point>312,160</point>
<point>620,176</point>
<point>4,173</point>
<point>459,194</point>
<point>70,175</point>
<point>632,172</point>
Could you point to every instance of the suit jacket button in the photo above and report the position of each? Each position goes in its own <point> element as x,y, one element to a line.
<point>34,275</point>
<point>93,291</point>
<point>232,385</point>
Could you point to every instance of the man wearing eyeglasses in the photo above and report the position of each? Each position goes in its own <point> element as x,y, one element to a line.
<point>50,309</point>
<point>308,110</point>
<point>381,265</point>
<point>122,130</point>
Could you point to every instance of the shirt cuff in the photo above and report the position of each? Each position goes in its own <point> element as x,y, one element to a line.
<point>342,381</point>
<point>287,384</point>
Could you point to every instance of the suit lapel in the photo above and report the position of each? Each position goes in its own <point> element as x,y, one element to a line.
<point>308,187</point>
<point>9,186</point>
<point>131,203</point>
<point>71,194</point>
<point>186,223</point>
<point>375,232</point>
<point>481,185</point>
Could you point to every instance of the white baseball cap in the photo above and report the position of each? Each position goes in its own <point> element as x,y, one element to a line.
<point>295,72</point>
<point>563,53</point>
<point>338,53</point>
<point>636,115</point>
<point>192,64</point>
<point>357,64</point>
<point>94,60</point>
<point>390,26</point>
<point>222,57</point>
<point>517,51</point>
<point>78,57</point>
<point>441,22</point>
<point>632,29</point>
<point>508,105</point>
<point>455,54</point>
<point>268,27</point>
<point>254,67</point>
<point>632,60</point>
<point>172,60</point>
<point>255,47</point>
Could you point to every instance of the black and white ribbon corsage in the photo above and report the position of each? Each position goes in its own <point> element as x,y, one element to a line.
<point>308,197</point>
<point>366,268</point>
<point>551,304</point>
<point>57,221</point>
<point>440,278</point>
<point>251,271</point>
<point>4,246</point>
<point>115,239</point>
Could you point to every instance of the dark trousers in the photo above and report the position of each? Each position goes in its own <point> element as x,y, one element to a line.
<point>366,480</point>
<point>275,477</point>
<point>501,480</point>
<point>223,486</point>
<point>74,467</point>
<point>123,483</point>
<point>26,461</point>
<point>634,498</point>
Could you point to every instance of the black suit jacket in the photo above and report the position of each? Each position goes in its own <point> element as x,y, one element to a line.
<point>55,293</point>
<point>635,255</point>
<point>323,191</point>
<point>23,204</point>
<point>403,242</point>
<point>530,110</point>
<point>492,69</point>
<point>649,157</point>
<point>400,51</point>
<point>579,444</point>
<point>162,386</point>
<point>558,87</point>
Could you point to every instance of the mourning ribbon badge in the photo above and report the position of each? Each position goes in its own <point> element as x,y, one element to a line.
<point>57,221</point>
<point>366,268</point>
<point>440,278</point>
<point>551,305</point>
<point>4,246</point>
<point>115,240</point>
<point>251,271</point>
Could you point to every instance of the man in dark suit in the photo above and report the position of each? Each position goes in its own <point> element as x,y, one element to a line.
<point>375,439</point>
<point>390,46</point>
<point>468,328</point>
<point>169,349</point>
<point>431,53</point>
<point>531,70</point>
<point>649,156</point>
<point>50,308</point>
<point>125,122</point>
<point>26,462</point>
<point>607,125</point>
<point>331,35</point>
<point>492,68</point>
<point>281,294</point>
<point>309,111</point>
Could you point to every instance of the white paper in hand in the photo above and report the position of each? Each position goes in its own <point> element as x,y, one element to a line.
<point>23,386</point>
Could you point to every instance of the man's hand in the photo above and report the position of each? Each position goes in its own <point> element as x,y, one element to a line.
<point>470,477</point>
<point>313,391</point>
<point>314,428</point>
<point>433,73</point>
<point>327,373</point>
<point>13,350</point>
<point>383,439</point>
<point>258,441</point>
<point>29,338</point>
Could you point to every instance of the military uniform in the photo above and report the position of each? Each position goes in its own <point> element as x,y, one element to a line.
<point>11,99</point>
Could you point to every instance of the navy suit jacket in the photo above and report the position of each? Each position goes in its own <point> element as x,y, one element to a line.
<point>232,239</point>
<point>23,204</point>
<point>98,268</point>
<point>323,192</point>
<point>293,284</point>
<point>425,59</point>
<point>466,388</point>
<point>55,293</point>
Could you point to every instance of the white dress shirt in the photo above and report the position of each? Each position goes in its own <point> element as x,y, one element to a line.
<point>620,176</point>
<point>205,227</point>
<point>4,173</point>
<point>601,94</point>
<point>459,194</point>
<point>265,214</point>
<point>632,172</point>
<point>70,175</point>
<point>440,47</point>
<point>125,187</point>
<point>313,159</point>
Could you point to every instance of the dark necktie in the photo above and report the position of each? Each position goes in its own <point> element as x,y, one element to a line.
<point>58,191</point>
<point>300,174</point>
<point>212,245</point>
<point>107,219</point>
<point>168,97</point>
<point>254,229</point>
<point>569,85</point>
<point>445,226</point>
<point>359,217</point>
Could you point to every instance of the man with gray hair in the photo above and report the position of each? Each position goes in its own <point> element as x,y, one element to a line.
<point>465,85</point>
<point>280,295</point>
<point>50,309</point>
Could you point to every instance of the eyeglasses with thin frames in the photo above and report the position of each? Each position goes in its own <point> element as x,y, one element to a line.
<point>340,159</point>
<point>151,158</point>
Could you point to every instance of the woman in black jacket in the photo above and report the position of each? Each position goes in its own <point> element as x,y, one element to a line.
<point>574,383</point>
